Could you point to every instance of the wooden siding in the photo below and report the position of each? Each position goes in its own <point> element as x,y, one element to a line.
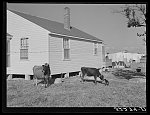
<point>38,44</point>
<point>81,54</point>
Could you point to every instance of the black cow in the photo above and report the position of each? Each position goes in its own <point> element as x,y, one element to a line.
<point>42,72</point>
<point>87,71</point>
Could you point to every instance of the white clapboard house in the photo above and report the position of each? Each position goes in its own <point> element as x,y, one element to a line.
<point>36,41</point>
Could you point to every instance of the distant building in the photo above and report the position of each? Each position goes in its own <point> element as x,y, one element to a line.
<point>124,58</point>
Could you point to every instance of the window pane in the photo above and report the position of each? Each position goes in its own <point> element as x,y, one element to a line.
<point>23,53</point>
<point>24,43</point>
<point>66,53</point>
<point>95,51</point>
<point>63,43</point>
<point>21,43</point>
<point>66,43</point>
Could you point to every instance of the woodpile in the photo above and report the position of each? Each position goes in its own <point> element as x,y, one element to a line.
<point>127,74</point>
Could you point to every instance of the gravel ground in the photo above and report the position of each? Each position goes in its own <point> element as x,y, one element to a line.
<point>73,93</point>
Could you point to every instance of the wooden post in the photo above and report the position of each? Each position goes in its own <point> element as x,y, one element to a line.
<point>27,77</point>
<point>10,77</point>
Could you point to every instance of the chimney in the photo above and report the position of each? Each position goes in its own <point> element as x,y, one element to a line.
<point>67,18</point>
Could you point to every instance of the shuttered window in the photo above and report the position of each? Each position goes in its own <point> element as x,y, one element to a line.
<point>24,48</point>
<point>66,48</point>
<point>95,48</point>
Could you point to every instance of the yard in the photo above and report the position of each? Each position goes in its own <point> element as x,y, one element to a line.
<point>73,93</point>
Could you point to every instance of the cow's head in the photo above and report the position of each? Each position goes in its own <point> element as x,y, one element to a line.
<point>46,64</point>
<point>100,70</point>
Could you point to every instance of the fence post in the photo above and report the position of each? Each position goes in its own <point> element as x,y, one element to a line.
<point>27,77</point>
<point>10,77</point>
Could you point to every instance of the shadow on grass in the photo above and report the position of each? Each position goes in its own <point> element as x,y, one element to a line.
<point>51,81</point>
<point>88,80</point>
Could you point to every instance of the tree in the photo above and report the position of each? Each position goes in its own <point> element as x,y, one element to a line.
<point>136,15</point>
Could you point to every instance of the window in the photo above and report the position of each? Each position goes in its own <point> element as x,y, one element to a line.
<point>8,53</point>
<point>24,48</point>
<point>95,48</point>
<point>66,48</point>
<point>103,53</point>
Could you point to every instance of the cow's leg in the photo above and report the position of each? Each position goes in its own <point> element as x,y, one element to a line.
<point>35,81</point>
<point>106,82</point>
<point>45,79</point>
<point>82,77</point>
<point>101,77</point>
<point>48,80</point>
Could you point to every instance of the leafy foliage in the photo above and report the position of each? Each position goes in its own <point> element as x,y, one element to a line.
<point>136,15</point>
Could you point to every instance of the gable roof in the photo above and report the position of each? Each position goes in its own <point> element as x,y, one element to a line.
<point>56,27</point>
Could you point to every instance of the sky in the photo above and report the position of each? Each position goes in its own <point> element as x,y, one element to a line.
<point>98,20</point>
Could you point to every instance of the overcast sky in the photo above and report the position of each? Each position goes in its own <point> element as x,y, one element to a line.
<point>95,19</point>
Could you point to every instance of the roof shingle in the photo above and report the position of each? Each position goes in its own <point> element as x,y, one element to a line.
<point>56,27</point>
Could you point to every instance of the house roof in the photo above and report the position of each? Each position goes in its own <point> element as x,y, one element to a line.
<point>56,27</point>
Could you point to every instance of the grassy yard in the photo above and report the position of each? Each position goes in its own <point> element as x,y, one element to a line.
<point>73,93</point>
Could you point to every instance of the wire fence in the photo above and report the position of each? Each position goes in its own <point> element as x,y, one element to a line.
<point>29,52</point>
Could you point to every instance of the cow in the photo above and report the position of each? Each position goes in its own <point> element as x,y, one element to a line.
<point>42,72</point>
<point>87,71</point>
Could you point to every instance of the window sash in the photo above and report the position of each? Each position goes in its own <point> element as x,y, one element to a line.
<point>95,51</point>
<point>24,43</point>
<point>23,53</point>
<point>66,53</point>
<point>95,48</point>
<point>65,43</point>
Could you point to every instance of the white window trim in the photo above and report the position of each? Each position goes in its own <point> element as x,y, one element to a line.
<point>63,50</point>
<point>24,42</point>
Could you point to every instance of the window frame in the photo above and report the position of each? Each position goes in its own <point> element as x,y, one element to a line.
<point>24,47</point>
<point>95,49</point>
<point>66,47</point>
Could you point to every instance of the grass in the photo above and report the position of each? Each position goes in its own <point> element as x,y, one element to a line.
<point>73,93</point>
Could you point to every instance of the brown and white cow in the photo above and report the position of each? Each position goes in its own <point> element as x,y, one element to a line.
<point>42,72</point>
<point>88,71</point>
